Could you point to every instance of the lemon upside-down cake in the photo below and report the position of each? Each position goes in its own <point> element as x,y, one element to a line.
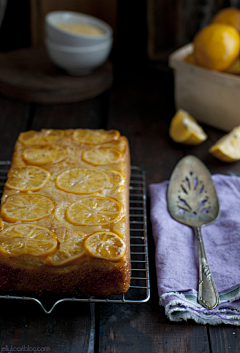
<point>64,213</point>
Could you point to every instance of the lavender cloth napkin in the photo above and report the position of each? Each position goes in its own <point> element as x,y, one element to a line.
<point>177,256</point>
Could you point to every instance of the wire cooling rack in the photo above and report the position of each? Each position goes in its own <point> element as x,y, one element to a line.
<point>139,291</point>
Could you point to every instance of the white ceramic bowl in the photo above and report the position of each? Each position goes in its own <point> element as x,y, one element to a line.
<point>78,61</point>
<point>62,37</point>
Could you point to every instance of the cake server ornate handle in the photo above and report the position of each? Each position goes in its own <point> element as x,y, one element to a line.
<point>207,292</point>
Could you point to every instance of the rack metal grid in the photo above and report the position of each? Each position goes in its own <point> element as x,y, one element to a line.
<point>139,291</point>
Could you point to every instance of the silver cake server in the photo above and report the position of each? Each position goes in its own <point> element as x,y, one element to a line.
<point>193,201</point>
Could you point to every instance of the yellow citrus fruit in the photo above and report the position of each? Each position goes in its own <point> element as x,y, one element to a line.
<point>94,211</point>
<point>228,16</point>
<point>70,249</point>
<point>105,245</point>
<point>26,208</point>
<point>190,59</point>
<point>40,137</point>
<point>216,46</point>
<point>102,156</point>
<point>94,137</point>
<point>227,149</point>
<point>27,239</point>
<point>117,181</point>
<point>234,68</point>
<point>27,178</point>
<point>45,154</point>
<point>185,129</point>
<point>82,180</point>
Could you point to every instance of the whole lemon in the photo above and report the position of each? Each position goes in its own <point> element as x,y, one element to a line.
<point>216,46</point>
<point>228,16</point>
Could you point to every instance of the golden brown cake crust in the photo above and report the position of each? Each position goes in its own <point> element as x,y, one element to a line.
<point>60,259</point>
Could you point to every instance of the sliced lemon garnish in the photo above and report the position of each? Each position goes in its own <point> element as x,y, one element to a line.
<point>101,156</point>
<point>105,245</point>
<point>82,180</point>
<point>227,149</point>
<point>40,137</point>
<point>70,249</point>
<point>185,129</point>
<point>27,178</point>
<point>120,227</point>
<point>94,137</point>
<point>94,211</point>
<point>27,239</point>
<point>45,154</point>
<point>117,182</point>
<point>26,208</point>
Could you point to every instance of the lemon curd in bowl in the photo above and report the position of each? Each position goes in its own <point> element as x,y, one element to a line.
<point>72,29</point>
<point>81,29</point>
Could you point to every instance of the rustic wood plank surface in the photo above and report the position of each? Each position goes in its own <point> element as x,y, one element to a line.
<point>141,107</point>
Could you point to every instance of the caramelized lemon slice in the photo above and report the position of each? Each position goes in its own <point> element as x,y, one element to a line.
<point>69,250</point>
<point>185,129</point>
<point>105,245</point>
<point>26,208</point>
<point>27,239</point>
<point>40,137</point>
<point>45,154</point>
<point>117,181</point>
<point>102,156</point>
<point>27,178</point>
<point>94,137</point>
<point>82,180</point>
<point>227,149</point>
<point>94,211</point>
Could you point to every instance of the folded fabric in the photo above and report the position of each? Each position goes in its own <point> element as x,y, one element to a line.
<point>176,256</point>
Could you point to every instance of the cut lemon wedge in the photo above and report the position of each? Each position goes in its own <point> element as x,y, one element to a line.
<point>45,154</point>
<point>227,149</point>
<point>101,156</point>
<point>94,211</point>
<point>69,250</point>
<point>185,129</point>
<point>26,208</point>
<point>117,181</point>
<point>27,178</point>
<point>105,245</point>
<point>40,137</point>
<point>82,180</point>
<point>27,239</point>
<point>94,137</point>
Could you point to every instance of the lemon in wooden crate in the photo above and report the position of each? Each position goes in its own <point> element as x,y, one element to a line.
<point>227,149</point>
<point>185,129</point>
<point>228,16</point>
<point>216,46</point>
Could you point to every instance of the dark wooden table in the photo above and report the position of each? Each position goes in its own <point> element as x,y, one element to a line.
<point>140,104</point>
